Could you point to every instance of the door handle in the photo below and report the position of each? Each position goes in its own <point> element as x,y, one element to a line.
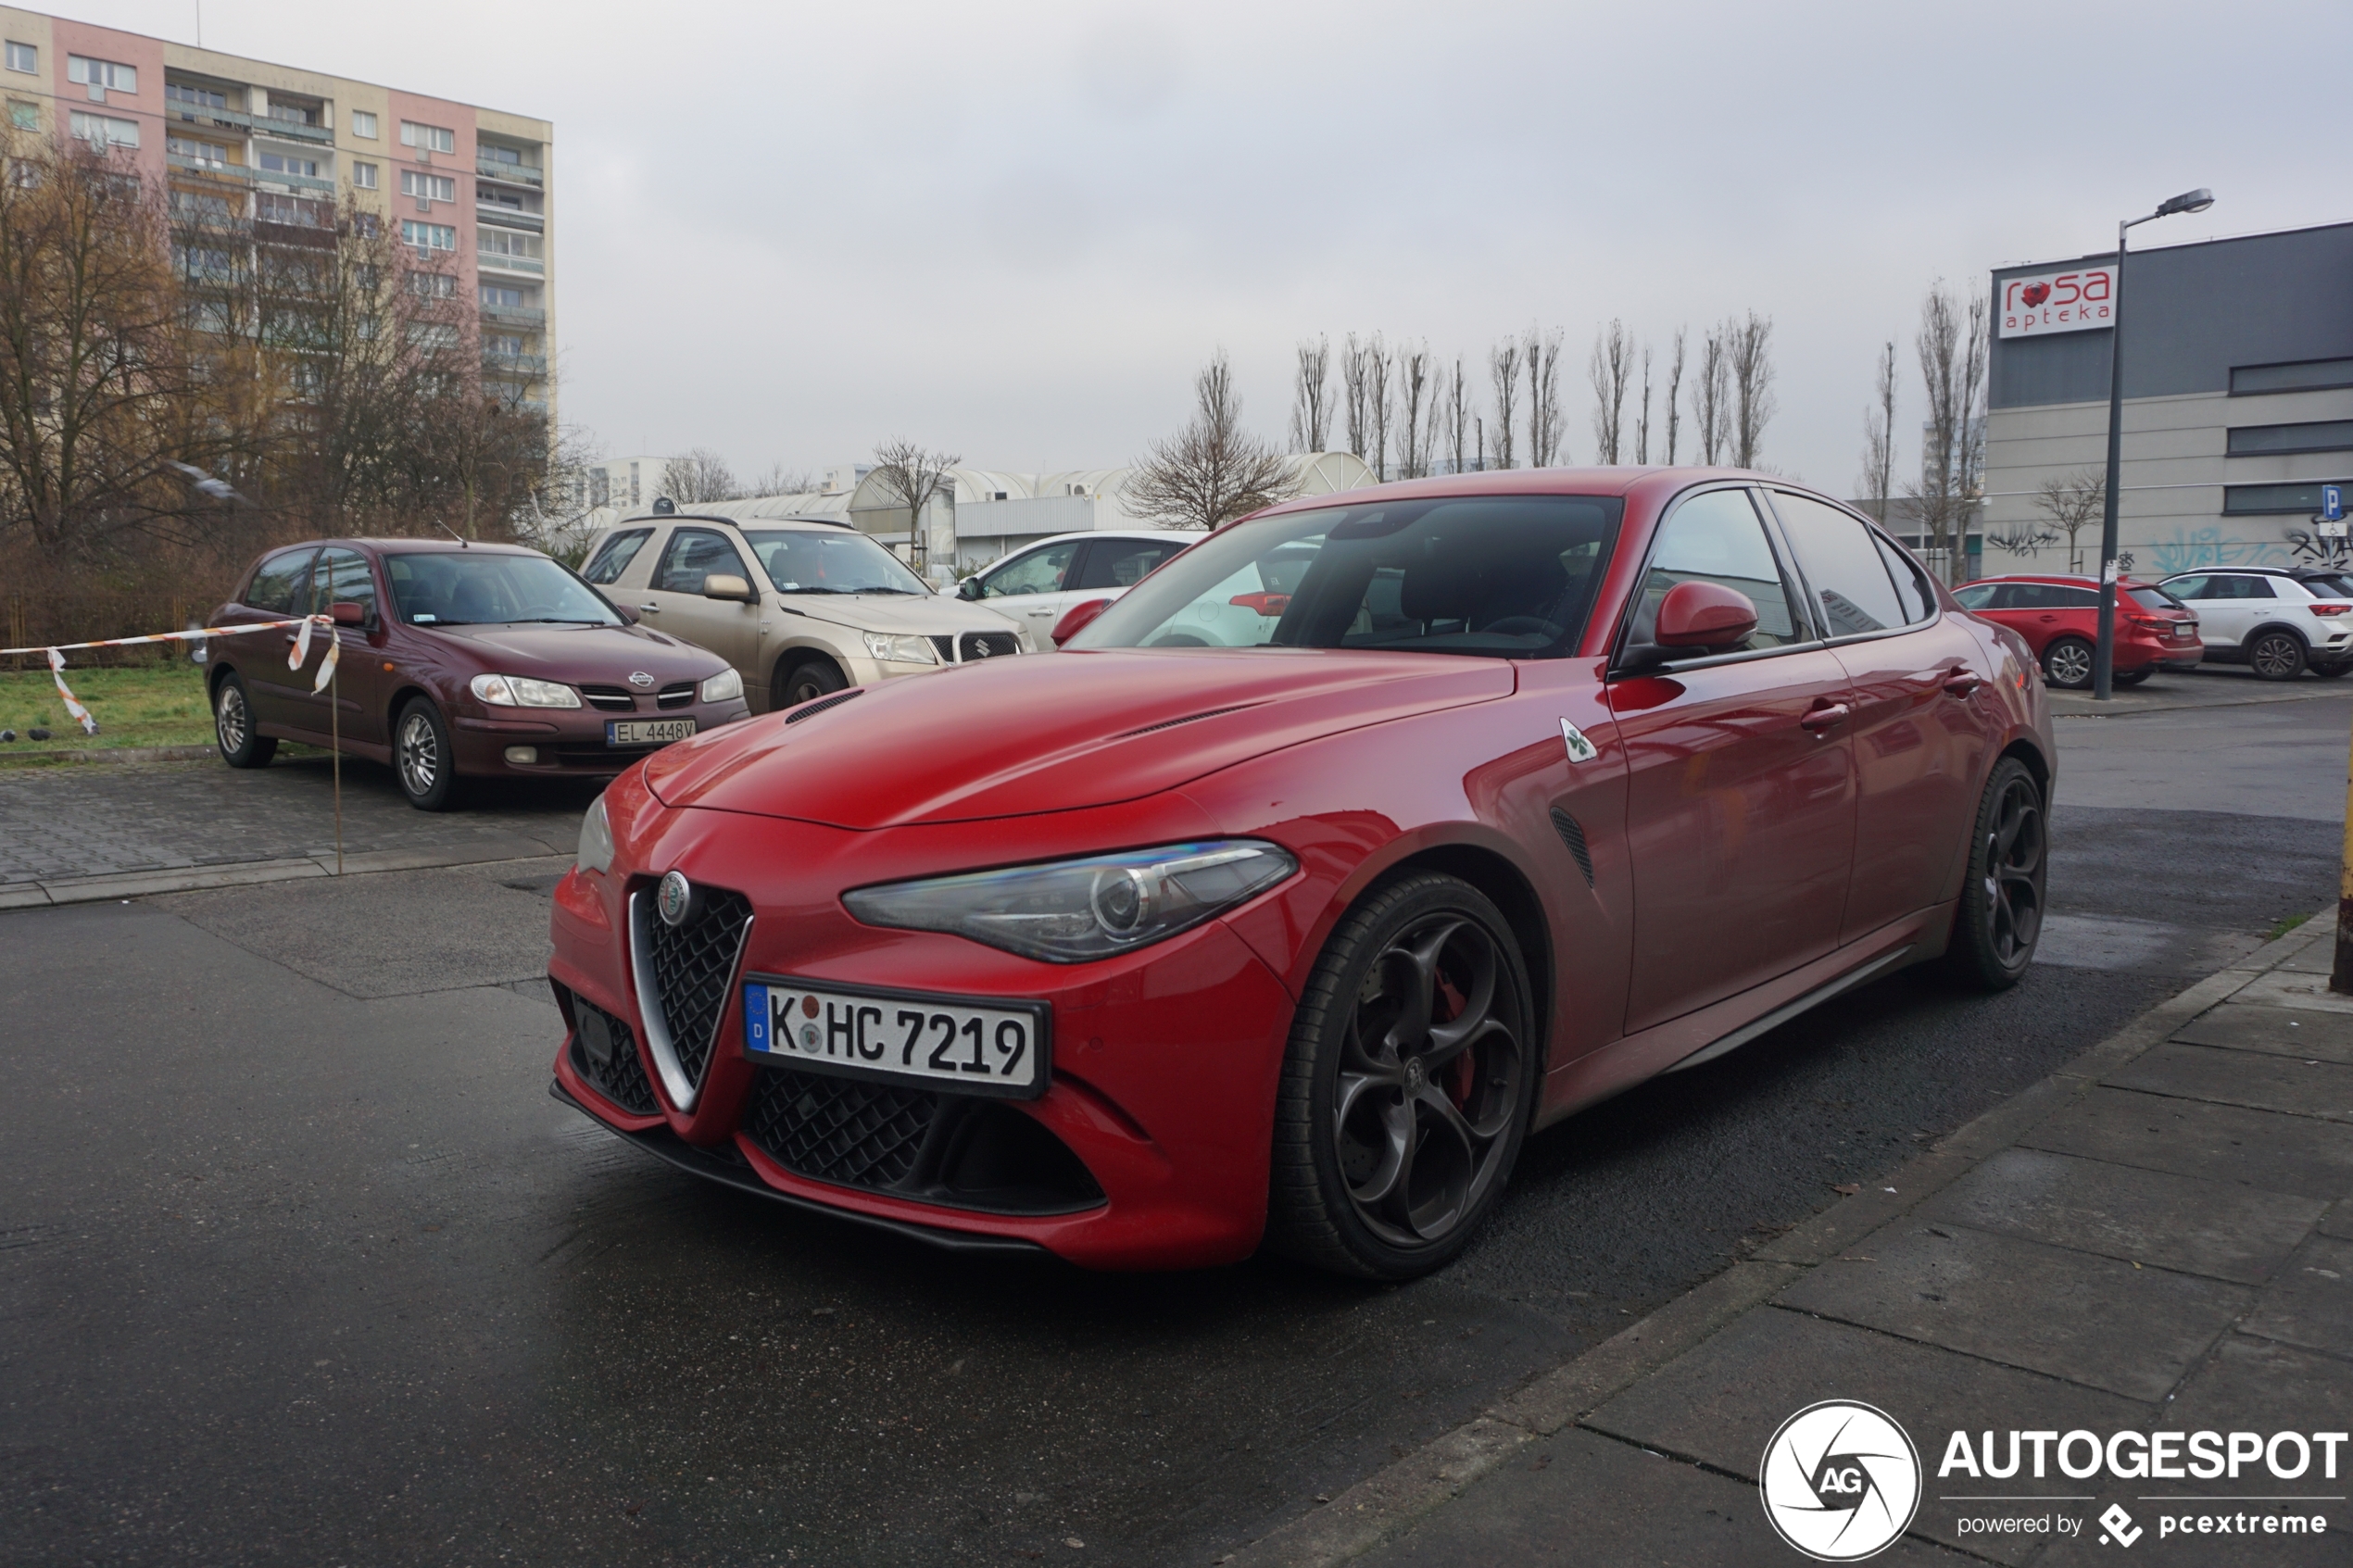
<point>1961,683</point>
<point>649,610</point>
<point>1827,716</point>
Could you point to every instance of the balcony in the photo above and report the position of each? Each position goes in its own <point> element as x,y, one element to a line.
<point>491,262</point>
<point>515,315</point>
<point>532,366</point>
<point>292,129</point>
<point>491,212</point>
<point>237,173</point>
<point>512,174</point>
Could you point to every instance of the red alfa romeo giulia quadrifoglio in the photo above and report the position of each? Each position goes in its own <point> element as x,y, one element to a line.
<point>1527,787</point>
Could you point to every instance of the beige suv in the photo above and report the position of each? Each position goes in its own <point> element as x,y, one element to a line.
<point>800,607</point>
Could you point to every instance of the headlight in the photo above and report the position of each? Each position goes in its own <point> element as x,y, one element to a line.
<point>1074,911</point>
<point>901,650</point>
<point>518,691</point>
<point>596,839</point>
<point>725,686</point>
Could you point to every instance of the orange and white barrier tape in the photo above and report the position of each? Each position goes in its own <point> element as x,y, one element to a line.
<point>55,653</point>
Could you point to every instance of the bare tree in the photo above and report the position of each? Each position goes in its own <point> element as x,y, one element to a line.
<point>1310,412</point>
<point>911,475</point>
<point>1459,419</point>
<point>701,475</point>
<point>1642,424</point>
<point>1417,411</point>
<point>779,480</point>
<point>1712,398</point>
<point>1608,369</point>
<point>1503,367</point>
<point>1212,471</point>
<point>1378,366</point>
<point>1879,436</point>
<point>2069,503</point>
<point>1545,421</point>
<point>1950,347</point>
<point>1749,351</point>
<point>1674,395</point>
<point>1355,390</point>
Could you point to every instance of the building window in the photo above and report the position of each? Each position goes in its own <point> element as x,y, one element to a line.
<point>433,334</point>
<point>488,151</point>
<point>428,236</point>
<point>506,242</point>
<point>363,125</point>
<point>432,286</point>
<point>200,206</point>
<point>433,138</point>
<point>490,195</point>
<point>2309,375</point>
<point>501,297</point>
<point>507,346</point>
<point>363,175</point>
<point>211,155</point>
<point>279,163</point>
<point>291,114</point>
<point>431,187</point>
<point>2255,500</point>
<point>272,208</point>
<point>103,75</point>
<point>2320,436</point>
<point>103,128</point>
<point>24,57</point>
<point>24,116</point>
<point>202,97</point>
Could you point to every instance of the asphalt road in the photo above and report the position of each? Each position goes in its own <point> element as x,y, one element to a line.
<point>299,1265</point>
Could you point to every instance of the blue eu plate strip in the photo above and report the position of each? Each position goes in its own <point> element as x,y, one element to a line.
<point>756,1018</point>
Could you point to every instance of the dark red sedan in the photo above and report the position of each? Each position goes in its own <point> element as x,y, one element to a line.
<point>457,661</point>
<point>2059,617</point>
<point>1154,950</point>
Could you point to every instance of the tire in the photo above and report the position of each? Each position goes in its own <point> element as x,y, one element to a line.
<point>2276,655</point>
<point>2330,672</point>
<point>2130,678</point>
<point>2000,918</point>
<point>422,759</point>
<point>806,681</point>
<point>1359,1132</point>
<point>241,745</point>
<point>2067,664</point>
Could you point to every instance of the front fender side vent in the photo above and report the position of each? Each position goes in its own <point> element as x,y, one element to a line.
<point>810,709</point>
<point>1572,834</point>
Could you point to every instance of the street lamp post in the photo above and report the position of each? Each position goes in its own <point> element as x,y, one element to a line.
<point>2104,654</point>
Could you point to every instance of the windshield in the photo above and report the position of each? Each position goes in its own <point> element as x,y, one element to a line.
<point>804,560</point>
<point>1497,577</point>
<point>2154,598</point>
<point>475,588</point>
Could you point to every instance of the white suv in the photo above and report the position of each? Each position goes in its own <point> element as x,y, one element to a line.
<point>1037,585</point>
<point>800,607</point>
<point>2278,623</point>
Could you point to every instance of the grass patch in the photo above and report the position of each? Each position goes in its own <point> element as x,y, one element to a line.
<point>2284,927</point>
<point>134,704</point>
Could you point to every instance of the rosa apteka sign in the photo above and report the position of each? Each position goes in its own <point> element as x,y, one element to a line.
<point>2057,302</point>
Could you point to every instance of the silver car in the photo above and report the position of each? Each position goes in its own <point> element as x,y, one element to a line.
<point>800,607</point>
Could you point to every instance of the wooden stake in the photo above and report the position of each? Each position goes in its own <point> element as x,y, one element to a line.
<point>335,728</point>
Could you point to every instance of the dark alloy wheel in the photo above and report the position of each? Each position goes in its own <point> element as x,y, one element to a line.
<point>423,758</point>
<point>2276,655</point>
<point>240,745</point>
<point>808,681</point>
<point>2001,912</point>
<point>2067,664</point>
<point>1407,1086</point>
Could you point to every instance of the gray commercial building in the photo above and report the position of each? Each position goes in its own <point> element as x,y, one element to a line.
<point>2238,400</point>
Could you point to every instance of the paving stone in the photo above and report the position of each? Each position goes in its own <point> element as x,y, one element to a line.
<point>2287,988</point>
<point>2250,1078</point>
<point>2027,1304</point>
<point>2297,1032</point>
<point>2224,1229</point>
<point>2263,1148</point>
<point>2338,1220</point>
<point>2312,1302</point>
<point>1722,1402</point>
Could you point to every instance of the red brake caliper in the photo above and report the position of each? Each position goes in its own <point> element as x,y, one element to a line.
<point>1463,1075</point>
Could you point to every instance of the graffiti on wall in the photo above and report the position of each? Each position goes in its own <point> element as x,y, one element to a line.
<point>2192,549</point>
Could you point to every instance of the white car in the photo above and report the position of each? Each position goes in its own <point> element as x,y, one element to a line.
<point>2278,623</point>
<point>1037,585</point>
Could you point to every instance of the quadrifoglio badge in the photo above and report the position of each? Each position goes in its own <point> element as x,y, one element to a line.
<point>1840,1481</point>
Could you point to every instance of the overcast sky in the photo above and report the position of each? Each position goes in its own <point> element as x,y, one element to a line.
<point>790,230</point>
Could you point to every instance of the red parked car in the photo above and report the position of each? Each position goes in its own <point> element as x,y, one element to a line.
<point>2059,617</point>
<point>457,661</point>
<point>1539,783</point>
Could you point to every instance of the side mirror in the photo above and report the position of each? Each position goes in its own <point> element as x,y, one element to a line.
<point>344,612</point>
<point>1076,618</point>
<point>969,588</point>
<point>1703,615</point>
<point>628,616</point>
<point>727,586</point>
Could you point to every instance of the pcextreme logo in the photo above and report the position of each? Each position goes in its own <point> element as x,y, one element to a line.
<point>1840,1481</point>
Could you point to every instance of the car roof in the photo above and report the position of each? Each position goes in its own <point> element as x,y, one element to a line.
<point>2296,573</point>
<point>2065,579</point>
<point>1190,536</point>
<point>412,544</point>
<point>737,524</point>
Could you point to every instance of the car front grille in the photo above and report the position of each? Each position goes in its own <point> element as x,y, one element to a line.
<point>604,1051</point>
<point>611,699</point>
<point>976,646</point>
<point>677,696</point>
<point>945,647</point>
<point>692,965</point>
<point>841,1130</point>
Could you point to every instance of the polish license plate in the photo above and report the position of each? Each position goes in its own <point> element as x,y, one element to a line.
<point>956,1046</point>
<point>647,732</point>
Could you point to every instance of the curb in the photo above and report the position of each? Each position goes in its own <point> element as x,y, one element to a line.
<point>1377,1508</point>
<point>113,754</point>
<point>2063,706</point>
<point>250,874</point>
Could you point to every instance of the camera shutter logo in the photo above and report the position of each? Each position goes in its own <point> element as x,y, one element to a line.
<point>1840,1481</point>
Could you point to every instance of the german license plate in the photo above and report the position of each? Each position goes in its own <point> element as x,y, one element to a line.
<point>647,732</point>
<point>957,1045</point>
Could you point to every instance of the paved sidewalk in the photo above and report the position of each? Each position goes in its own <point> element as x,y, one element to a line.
<point>2158,1237</point>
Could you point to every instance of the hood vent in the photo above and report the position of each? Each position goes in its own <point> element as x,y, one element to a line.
<point>810,709</point>
<point>1189,717</point>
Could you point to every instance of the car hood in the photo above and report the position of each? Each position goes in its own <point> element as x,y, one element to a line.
<point>1052,733</point>
<point>897,612</point>
<point>601,655</point>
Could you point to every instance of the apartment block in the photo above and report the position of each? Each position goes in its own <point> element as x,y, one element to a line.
<point>469,188</point>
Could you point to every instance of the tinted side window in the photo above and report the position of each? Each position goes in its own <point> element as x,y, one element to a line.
<point>2078,598</point>
<point>1717,538</point>
<point>345,577</point>
<point>612,557</point>
<point>1976,595</point>
<point>2187,587</point>
<point>283,586</point>
<point>2239,588</point>
<point>1039,571</point>
<point>692,555</point>
<point>1842,564</point>
<point>1121,563</point>
<point>1911,587</point>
